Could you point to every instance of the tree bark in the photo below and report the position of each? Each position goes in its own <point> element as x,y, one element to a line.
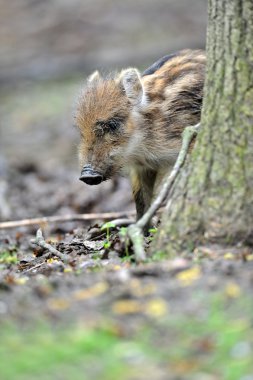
<point>213,196</point>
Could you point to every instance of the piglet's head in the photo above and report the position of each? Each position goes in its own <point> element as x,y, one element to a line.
<point>104,118</point>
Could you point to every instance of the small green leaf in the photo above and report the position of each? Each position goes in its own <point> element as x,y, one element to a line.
<point>7,257</point>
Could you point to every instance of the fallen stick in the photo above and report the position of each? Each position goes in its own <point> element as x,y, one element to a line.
<point>121,222</point>
<point>64,218</point>
<point>34,267</point>
<point>135,231</point>
<point>40,241</point>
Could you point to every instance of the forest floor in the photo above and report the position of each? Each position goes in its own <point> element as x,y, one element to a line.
<point>99,315</point>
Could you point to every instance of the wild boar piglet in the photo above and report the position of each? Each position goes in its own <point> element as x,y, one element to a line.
<point>132,123</point>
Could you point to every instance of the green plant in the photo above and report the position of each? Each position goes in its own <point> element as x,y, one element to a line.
<point>106,227</point>
<point>8,257</point>
<point>158,256</point>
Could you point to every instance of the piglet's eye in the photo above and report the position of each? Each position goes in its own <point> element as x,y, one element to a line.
<point>108,126</point>
<point>112,125</point>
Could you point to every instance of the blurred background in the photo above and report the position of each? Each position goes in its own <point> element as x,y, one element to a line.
<point>47,48</point>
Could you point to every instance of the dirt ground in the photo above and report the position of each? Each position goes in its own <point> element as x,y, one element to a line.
<point>199,303</point>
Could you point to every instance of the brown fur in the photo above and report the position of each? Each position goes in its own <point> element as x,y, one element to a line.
<point>149,113</point>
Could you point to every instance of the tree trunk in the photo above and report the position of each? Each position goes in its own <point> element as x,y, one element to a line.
<point>213,197</point>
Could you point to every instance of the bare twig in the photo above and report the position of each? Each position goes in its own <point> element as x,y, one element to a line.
<point>188,135</point>
<point>135,231</point>
<point>33,268</point>
<point>121,222</point>
<point>65,218</point>
<point>135,234</point>
<point>40,241</point>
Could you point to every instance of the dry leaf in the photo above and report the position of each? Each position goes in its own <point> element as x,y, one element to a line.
<point>21,280</point>
<point>94,291</point>
<point>68,270</point>
<point>140,290</point>
<point>156,308</point>
<point>127,307</point>
<point>232,290</point>
<point>58,304</point>
<point>229,256</point>
<point>187,277</point>
<point>249,258</point>
<point>52,261</point>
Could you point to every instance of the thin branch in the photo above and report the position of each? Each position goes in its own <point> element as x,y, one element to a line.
<point>65,218</point>
<point>188,134</point>
<point>33,268</point>
<point>135,234</point>
<point>40,241</point>
<point>135,230</point>
<point>121,222</point>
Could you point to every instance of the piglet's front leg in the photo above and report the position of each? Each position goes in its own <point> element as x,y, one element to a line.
<point>143,182</point>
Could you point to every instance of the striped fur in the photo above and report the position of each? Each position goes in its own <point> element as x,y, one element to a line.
<point>142,119</point>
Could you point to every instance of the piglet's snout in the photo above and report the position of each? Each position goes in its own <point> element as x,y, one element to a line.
<point>90,176</point>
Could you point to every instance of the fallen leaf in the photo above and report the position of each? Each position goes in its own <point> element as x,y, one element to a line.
<point>43,290</point>
<point>141,290</point>
<point>116,267</point>
<point>187,277</point>
<point>185,366</point>
<point>94,291</point>
<point>156,308</point>
<point>68,270</point>
<point>249,258</point>
<point>52,261</point>
<point>127,307</point>
<point>21,280</point>
<point>229,256</point>
<point>232,290</point>
<point>58,304</point>
<point>204,344</point>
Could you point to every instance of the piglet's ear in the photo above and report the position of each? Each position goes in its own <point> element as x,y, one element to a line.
<point>94,77</point>
<point>131,81</point>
